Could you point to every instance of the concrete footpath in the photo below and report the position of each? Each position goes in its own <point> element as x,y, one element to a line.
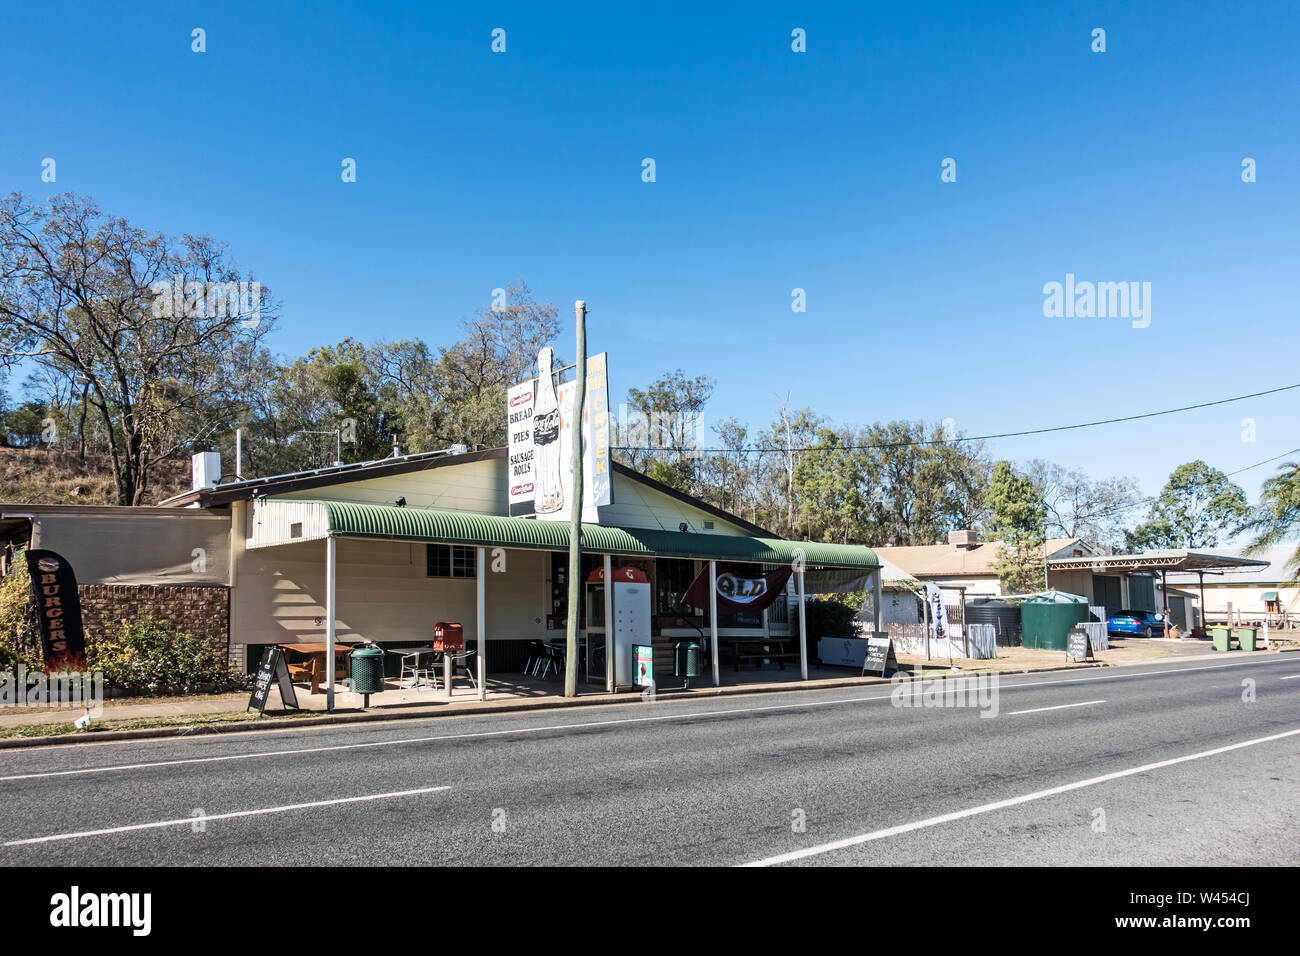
<point>503,697</point>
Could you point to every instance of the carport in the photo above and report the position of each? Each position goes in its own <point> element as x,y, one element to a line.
<point>1161,562</point>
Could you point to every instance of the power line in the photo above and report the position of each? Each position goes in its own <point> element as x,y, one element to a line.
<point>952,441</point>
<point>1150,499</point>
<point>1264,462</point>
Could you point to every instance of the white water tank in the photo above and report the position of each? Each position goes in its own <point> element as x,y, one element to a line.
<point>206,469</point>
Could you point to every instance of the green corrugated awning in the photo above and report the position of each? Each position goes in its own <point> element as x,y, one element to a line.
<point>351,520</point>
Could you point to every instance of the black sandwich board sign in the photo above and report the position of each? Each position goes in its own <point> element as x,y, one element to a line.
<point>272,668</point>
<point>1079,647</point>
<point>880,655</point>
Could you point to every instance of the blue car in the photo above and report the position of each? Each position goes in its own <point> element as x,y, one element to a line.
<point>1137,623</point>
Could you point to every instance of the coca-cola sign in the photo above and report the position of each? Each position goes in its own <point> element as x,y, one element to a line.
<point>539,430</point>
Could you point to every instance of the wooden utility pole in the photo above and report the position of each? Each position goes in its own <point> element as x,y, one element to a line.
<point>575,513</point>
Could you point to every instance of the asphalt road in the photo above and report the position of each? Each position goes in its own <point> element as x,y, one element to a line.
<point>1063,774</point>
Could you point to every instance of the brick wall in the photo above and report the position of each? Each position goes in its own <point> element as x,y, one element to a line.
<point>198,610</point>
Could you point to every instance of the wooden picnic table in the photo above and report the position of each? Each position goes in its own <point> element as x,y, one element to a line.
<point>758,649</point>
<point>313,669</point>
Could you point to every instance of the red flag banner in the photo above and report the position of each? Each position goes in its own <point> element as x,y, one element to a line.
<point>741,587</point>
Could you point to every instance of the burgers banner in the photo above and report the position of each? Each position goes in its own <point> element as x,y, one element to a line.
<point>739,588</point>
<point>54,592</point>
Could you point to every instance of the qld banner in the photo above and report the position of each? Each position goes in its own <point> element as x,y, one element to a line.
<point>54,592</point>
<point>740,588</point>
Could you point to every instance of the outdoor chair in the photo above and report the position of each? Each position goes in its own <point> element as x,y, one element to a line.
<point>418,673</point>
<point>464,661</point>
<point>536,653</point>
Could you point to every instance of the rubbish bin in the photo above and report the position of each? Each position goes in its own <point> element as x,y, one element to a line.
<point>1245,636</point>
<point>686,660</point>
<point>367,671</point>
<point>1222,636</point>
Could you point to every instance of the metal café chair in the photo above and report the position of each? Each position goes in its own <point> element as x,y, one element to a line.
<point>420,675</point>
<point>536,653</point>
<point>556,659</point>
<point>464,661</point>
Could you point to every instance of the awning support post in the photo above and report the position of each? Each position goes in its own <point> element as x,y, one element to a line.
<point>331,613</point>
<point>480,618</point>
<point>713,621</point>
<point>877,612</point>
<point>609,624</point>
<point>803,630</point>
<point>1164,599</point>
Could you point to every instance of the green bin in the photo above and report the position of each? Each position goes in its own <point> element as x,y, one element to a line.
<point>686,660</point>
<point>367,671</point>
<point>1245,637</point>
<point>1222,636</point>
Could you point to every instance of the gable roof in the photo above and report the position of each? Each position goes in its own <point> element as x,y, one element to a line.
<point>251,488</point>
<point>946,560</point>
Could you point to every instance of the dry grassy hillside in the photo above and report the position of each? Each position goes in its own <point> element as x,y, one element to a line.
<point>51,476</point>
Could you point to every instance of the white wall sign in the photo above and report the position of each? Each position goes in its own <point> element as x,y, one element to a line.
<point>540,429</point>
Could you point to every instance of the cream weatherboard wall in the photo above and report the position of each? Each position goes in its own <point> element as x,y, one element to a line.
<point>480,487</point>
<point>477,486</point>
<point>384,595</point>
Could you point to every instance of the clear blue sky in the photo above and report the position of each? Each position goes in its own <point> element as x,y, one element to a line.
<point>775,170</point>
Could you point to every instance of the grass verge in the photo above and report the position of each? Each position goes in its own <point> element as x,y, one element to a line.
<point>148,723</point>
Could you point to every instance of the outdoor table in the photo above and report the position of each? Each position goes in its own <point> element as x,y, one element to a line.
<point>406,653</point>
<point>762,648</point>
<point>587,644</point>
<point>315,654</point>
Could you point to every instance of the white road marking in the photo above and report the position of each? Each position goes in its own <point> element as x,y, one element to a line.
<point>694,715</point>
<point>186,821</point>
<point>1291,677</point>
<point>1039,710</point>
<point>1010,802</point>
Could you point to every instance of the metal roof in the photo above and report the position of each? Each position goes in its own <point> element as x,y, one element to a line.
<point>1276,567</point>
<point>1170,560</point>
<point>254,488</point>
<point>346,519</point>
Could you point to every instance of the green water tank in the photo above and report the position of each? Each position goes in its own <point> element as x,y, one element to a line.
<point>1046,619</point>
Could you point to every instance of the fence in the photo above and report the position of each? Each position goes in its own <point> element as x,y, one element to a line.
<point>981,641</point>
<point>1096,628</point>
<point>1097,635</point>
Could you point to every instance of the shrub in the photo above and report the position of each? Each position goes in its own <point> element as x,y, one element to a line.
<point>19,638</point>
<point>827,618</point>
<point>148,654</point>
